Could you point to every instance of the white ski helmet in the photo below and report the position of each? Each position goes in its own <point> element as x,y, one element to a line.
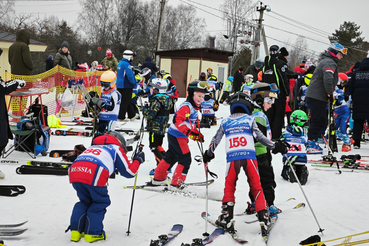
<point>128,54</point>
<point>159,85</point>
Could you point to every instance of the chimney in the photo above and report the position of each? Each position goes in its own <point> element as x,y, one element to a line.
<point>212,42</point>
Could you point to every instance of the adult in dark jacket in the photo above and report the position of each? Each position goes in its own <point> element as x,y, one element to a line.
<point>238,80</point>
<point>149,64</point>
<point>274,72</point>
<point>49,62</point>
<point>359,89</point>
<point>321,87</point>
<point>19,54</point>
<point>255,69</point>
<point>125,83</point>
<point>63,57</point>
<point>349,75</point>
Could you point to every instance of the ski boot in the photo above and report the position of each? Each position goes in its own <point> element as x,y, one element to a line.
<point>76,236</point>
<point>274,211</point>
<point>264,220</point>
<point>346,147</point>
<point>250,208</point>
<point>93,238</point>
<point>224,220</point>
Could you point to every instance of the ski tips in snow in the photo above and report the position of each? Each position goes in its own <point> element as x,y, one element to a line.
<point>165,238</point>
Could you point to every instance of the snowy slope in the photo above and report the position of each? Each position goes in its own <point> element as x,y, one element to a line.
<point>339,202</point>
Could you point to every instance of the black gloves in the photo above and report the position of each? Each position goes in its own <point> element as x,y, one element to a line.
<point>280,147</point>
<point>206,158</point>
<point>140,157</point>
<point>100,103</point>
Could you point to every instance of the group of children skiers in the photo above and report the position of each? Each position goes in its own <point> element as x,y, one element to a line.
<point>248,145</point>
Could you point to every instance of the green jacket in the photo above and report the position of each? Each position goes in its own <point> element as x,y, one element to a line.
<point>20,56</point>
<point>263,124</point>
<point>63,60</point>
<point>111,62</point>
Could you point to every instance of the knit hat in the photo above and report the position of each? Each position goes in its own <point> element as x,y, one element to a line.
<point>283,51</point>
<point>308,64</point>
<point>258,63</point>
<point>108,52</point>
<point>274,50</point>
<point>303,64</point>
<point>65,44</point>
<point>357,65</point>
<point>51,57</point>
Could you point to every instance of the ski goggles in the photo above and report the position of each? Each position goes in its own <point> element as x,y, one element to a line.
<point>272,87</point>
<point>202,85</point>
<point>105,84</point>
<point>344,51</point>
<point>269,100</point>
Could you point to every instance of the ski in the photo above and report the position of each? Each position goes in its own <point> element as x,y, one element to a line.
<point>6,233</point>
<point>71,133</point>
<point>49,164</point>
<point>332,138</point>
<point>166,238</point>
<point>355,165</point>
<point>18,188</point>
<point>148,184</point>
<point>300,205</point>
<point>58,153</point>
<point>266,232</point>
<point>328,167</point>
<point>244,213</point>
<point>8,192</point>
<point>26,169</point>
<point>127,131</point>
<point>233,234</point>
<point>13,225</point>
<point>201,242</point>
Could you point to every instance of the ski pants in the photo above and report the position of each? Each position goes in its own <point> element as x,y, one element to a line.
<point>156,142</point>
<point>276,115</point>
<point>318,118</point>
<point>250,168</point>
<point>358,131</point>
<point>178,151</point>
<point>342,116</point>
<point>125,102</point>
<point>88,214</point>
<point>267,181</point>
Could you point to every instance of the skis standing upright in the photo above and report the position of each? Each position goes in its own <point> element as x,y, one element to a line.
<point>332,139</point>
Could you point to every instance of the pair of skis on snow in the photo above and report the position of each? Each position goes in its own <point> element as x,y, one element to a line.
<point>12,190</point>
<point>7,230</point>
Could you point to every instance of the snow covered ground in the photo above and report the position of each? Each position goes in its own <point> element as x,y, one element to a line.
<point>339,202</point>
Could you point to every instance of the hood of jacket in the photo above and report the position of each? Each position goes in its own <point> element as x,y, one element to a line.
<point>62,53</point>
<point>148,59</point>
<point>23,36</point>
<point>364,65</point>
<point>328,54</point>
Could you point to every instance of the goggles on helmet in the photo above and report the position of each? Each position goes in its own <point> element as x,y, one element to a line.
<point>105,84</point>
<point>269,100</point>
<point>272,87</point>
<point>202,85</point>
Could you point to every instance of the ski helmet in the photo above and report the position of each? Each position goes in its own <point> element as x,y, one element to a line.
<point>298,117</point>
<point>264,90</point>
<point>342,79</point>
<point>136,70</point>
<point>241,103</point>
<point>167,76</point>
<point>201,86</point>
<point>230,78</point>
<point>249,78</point>
<point>159,85</point>
<point>336,47</point>
<point>307,78</point>
<point>146,72</point>
<point>120,138</point>
<point>202,76</point>
<point>128,54</point>
<point>107,81</point>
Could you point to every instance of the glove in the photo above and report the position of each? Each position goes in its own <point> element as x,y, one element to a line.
<point>195,135</point>
<point>140,93</point>
<point>280,147</point>
<point>216,105</point>
<point>302,103</point>
<point>206,158</point>
<point>98,102</point>
<point>21,83</point>
<point>140,157</point>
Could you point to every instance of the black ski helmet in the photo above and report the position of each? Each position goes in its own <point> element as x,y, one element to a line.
<point>120,138</point>
<point>241,103</point>
<point>201,86</point>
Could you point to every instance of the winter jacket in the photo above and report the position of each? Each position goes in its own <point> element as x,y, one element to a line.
<point>19,54</point>
<point>125,75</point>
<point>237,81</point>
<point>157,114</point>
<point>5,133</point>
<point>63,59</point>
<point>274,72</point>
<point>324,78</point>
<point>111,62</point>
<point>149,64</point>
<point>359,89</point>
<point>253,71</point>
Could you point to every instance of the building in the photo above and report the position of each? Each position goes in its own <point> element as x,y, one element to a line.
<point>185,65</point>
<point>6,40</point>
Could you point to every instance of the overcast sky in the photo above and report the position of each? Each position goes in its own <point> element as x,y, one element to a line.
<point>289,15</point>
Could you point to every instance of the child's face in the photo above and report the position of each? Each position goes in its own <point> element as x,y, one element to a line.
<point>198,97</point>
<point>267,106</point>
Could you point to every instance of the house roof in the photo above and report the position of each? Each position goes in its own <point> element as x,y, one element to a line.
<point>9,37</point>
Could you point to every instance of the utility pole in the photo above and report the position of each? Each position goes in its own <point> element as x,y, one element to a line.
<point>261,10</point>
<point>234,36</point>
<point>158,40</point>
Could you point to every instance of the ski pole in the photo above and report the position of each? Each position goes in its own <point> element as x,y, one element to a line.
<point>334,159</point>
<point>139,148</point>
<point>289,160</point>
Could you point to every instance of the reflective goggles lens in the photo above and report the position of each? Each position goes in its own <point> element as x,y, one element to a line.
<point>269,99</point>
<point>274,88</point>
<point>105,84</point>
<point>344,51</point>
<point>203,85</point>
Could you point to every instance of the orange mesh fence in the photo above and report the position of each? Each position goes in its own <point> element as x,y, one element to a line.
<point>52,85</point>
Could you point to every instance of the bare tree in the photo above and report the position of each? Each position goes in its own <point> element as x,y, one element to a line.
<point>6,9</point>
